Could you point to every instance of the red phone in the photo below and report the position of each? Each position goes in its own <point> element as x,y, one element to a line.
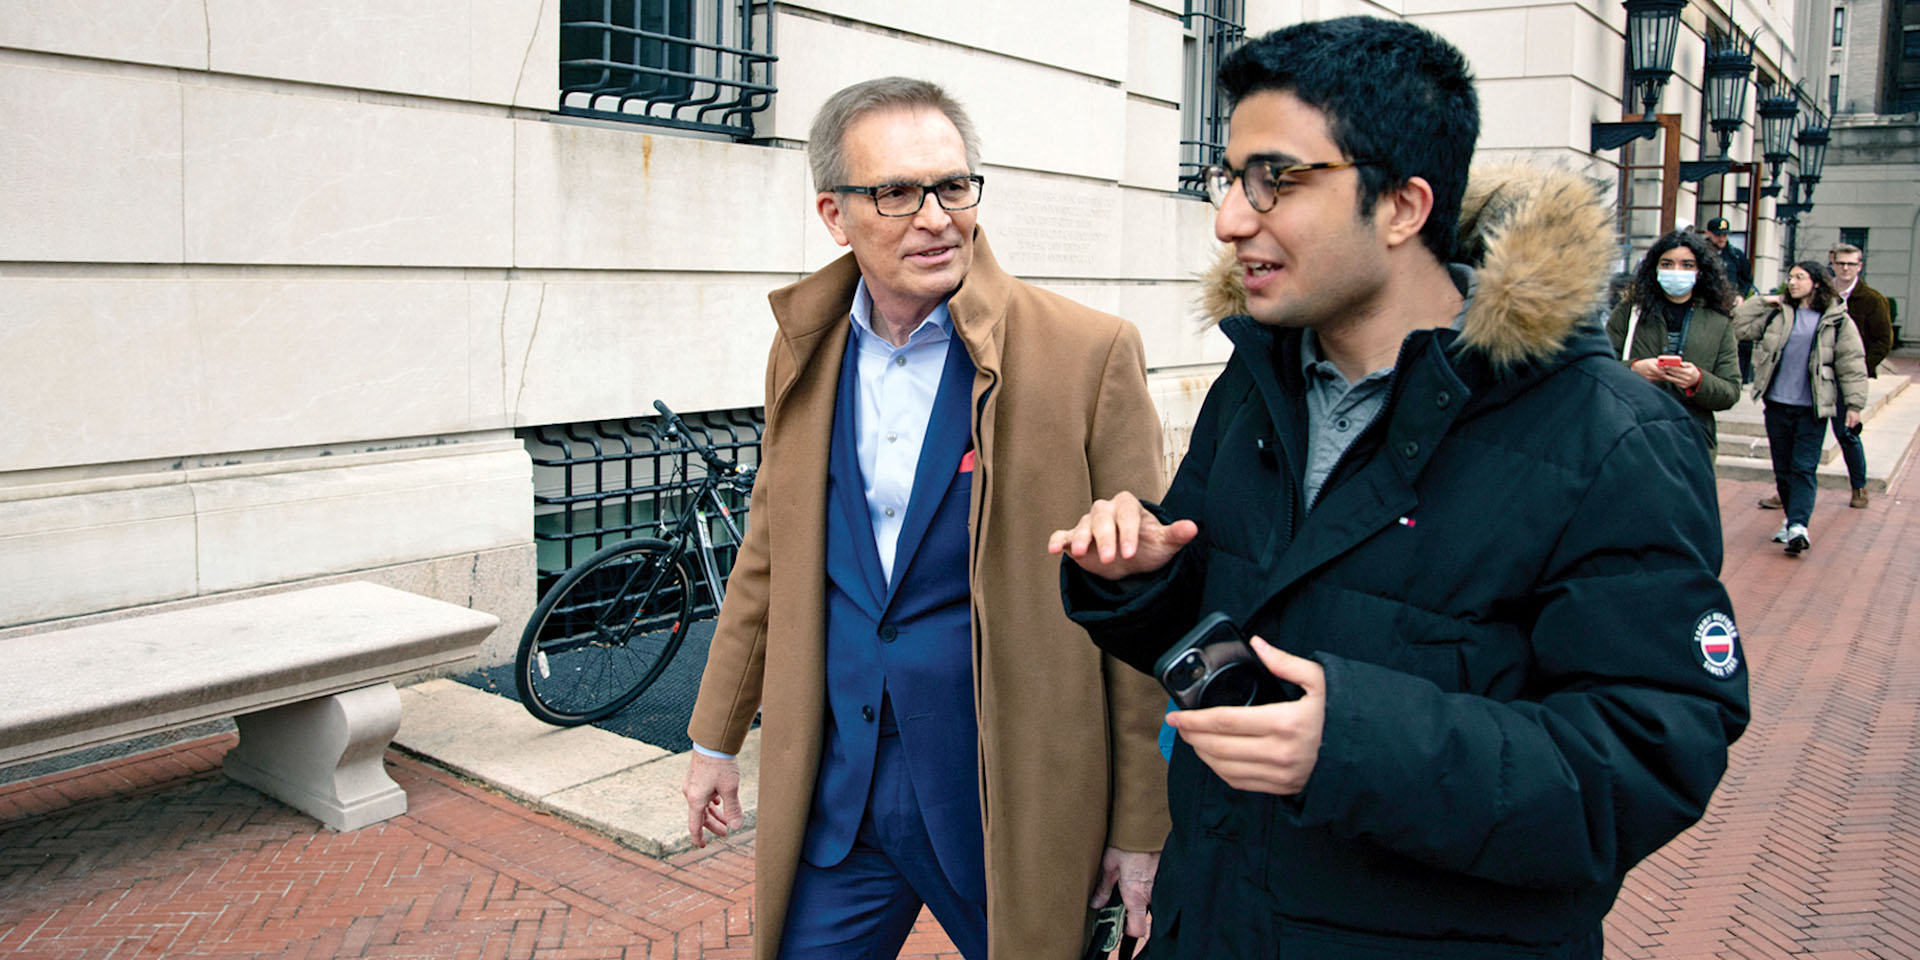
<point>1668,361</point>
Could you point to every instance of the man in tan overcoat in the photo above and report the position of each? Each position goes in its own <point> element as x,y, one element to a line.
<point>963,748</point>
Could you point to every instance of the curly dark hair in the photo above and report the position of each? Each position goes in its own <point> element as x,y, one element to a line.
<point>1710,286</point>
<point>1823,294</point>
<point>1411,109</point>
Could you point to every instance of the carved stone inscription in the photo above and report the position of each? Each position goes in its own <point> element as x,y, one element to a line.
<point>1051,227</point>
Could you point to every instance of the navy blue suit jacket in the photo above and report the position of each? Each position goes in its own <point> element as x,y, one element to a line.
<point>908,639</point>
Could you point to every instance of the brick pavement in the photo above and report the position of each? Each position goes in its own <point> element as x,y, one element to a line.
<point>1808,850</point>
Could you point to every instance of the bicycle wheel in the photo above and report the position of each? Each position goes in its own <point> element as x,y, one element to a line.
<point>603,633</point>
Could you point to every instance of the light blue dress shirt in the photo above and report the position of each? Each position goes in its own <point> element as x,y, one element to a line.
<point>897,388</point>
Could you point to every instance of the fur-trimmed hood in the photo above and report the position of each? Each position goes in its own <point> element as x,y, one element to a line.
<point>1542,242</point>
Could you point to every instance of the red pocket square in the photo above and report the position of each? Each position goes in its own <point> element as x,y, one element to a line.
<point>966,463</point>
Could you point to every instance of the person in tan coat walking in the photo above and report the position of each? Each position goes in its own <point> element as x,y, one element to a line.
<point>1809,367</point>
<point>934,729</point>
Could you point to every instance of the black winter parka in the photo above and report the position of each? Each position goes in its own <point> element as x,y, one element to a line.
<point>1532,673</point>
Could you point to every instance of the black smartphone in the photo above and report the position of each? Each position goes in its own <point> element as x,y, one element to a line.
<point>1214,666</point>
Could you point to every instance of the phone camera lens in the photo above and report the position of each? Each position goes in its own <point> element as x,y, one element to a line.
<point>1231,687</point>
<point>1191,669</point>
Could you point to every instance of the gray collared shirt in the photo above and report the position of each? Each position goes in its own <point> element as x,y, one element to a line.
<point>1338,411</point>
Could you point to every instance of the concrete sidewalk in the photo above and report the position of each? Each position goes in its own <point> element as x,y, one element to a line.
<point>1809,849</point>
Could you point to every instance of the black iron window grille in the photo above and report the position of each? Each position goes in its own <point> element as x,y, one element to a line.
<point>690,64</point>
<point>598,483</point>
<point>1214,28</point>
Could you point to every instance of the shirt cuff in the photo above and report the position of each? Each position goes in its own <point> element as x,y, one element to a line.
<point>717,755</point>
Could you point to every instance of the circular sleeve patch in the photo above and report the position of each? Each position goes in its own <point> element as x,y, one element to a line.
<point>1719,643</point>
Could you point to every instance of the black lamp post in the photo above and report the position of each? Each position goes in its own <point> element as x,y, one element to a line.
<point>1729,68</point>
<point>1653,27</point>
<point>1787,212</point>
<point>1779,113</point>
<point>1812,139</point>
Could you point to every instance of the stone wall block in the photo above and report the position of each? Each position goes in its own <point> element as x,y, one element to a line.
<point>1155,59</point>
<point>98,371</point>
<point>171,33</point>
<point>1029,116</point>
<point>290,179</point>
<point>514,52</point>
<point>586,350</point>
<point>418,47</point>
<point>635,198</point>
<point>273,527</point>
<point>66,555</point>
<point>1168,236</point>
<point>89,166</point>
<point>1153,145</point>
<point>1044,226</point>
<point>1085,36</point>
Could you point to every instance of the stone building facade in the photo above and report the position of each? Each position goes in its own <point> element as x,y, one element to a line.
<point>284,285</point>
<point>1866,56</point>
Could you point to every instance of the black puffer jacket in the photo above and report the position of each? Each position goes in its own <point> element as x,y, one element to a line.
<point>1511,582</point>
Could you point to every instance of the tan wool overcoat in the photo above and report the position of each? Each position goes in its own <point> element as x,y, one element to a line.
<point>1068,757</point>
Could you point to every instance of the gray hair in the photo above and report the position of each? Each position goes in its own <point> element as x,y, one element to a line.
<point>1847,248</point>
<point>826,142</point>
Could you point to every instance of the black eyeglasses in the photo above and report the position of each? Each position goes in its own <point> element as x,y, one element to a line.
<point>906,199</point>
<point>1261,179</point>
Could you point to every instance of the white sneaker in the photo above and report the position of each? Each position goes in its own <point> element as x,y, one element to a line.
<point>1780,535</point>
<point>1797,540</point>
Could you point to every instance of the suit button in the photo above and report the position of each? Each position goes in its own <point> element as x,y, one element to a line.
<point>866,713</point>
<point>1441,399</point>
<point>888,632</point>
<point>1410,449</point>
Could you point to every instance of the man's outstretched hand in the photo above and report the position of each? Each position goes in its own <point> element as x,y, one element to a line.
<point>1120,537</point>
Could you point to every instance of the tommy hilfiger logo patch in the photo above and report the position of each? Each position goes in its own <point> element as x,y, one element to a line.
<point>1719,643</point>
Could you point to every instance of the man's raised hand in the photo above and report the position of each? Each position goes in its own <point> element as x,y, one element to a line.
<point>1120,537</point>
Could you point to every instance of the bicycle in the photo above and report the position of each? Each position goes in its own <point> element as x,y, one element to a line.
<point>613,622</point>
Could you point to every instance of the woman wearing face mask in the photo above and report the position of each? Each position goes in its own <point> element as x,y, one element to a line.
<point>1808,364</point>
<point>1672,328</point>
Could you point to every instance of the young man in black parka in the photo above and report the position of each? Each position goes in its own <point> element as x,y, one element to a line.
<point>1485,550</point>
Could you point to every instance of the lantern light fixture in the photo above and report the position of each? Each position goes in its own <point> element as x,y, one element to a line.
<point>1779,114</point>
<point>1729,69</point>
<point>1653,29</point>
<point>1813,137</point>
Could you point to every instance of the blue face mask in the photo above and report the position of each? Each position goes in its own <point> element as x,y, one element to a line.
<point>1677,283</point>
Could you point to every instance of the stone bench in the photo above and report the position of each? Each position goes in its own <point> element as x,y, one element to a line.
<point>306,675</point>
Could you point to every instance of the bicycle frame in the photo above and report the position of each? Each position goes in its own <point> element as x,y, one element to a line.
<point>699,520</point>
<point>719,470</point>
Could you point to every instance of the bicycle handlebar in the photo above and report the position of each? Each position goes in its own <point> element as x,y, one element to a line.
<point>706,452</point>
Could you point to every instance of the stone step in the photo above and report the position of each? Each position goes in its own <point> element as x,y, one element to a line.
<point>1750,468</point>
<point>1748,419</point>
<point>1757,448</point>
